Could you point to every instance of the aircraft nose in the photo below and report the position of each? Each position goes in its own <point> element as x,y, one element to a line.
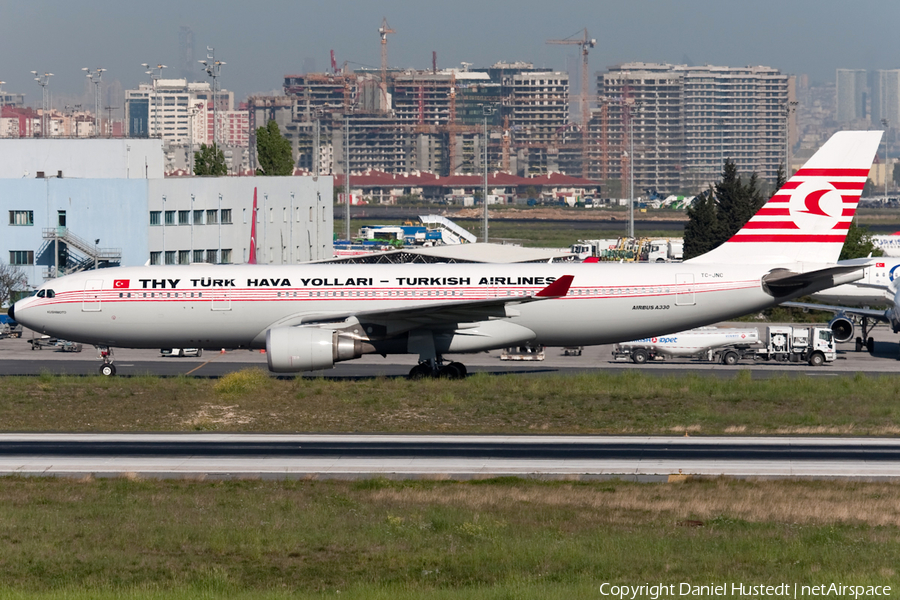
<point>12,312</point>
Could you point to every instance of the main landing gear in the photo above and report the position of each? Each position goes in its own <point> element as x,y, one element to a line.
<point>865,341</point>
<point>436,368</point>
<point>107,369</point>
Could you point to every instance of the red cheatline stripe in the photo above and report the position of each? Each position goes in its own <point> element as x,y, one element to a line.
<point>848,185</point>
<point>832,173</point>
<point>779,200</point>
<point>789,238</point>
<point>773,212</point>
<point>770,225</point>
<point>791,185</point>
<point>848,212</point>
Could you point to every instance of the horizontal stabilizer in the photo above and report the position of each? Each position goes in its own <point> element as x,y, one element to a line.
<point>782,282</point>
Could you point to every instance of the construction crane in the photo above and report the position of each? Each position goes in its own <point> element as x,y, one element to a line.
<point>586,43</point>
<point>383,31</point>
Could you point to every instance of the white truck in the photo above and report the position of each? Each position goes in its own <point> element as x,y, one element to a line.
<point>583,249</point>
<point>784,343</point>
<point>523,353</point>
<point>713,344</point>
<point>665,251</point>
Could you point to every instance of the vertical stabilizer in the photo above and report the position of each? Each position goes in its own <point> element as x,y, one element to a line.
<point>807,219</point>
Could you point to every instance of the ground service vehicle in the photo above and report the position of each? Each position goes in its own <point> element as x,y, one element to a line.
<point>665,251</point>
<point>523,353</point>
<point>198,352</point>
<point>46,341</point>
<point>9,328</point>
<point>714,344</point>
<point>814,345</point>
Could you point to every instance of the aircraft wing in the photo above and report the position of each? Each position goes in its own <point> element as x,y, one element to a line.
<point>859,312</point>
<point>443,313</point>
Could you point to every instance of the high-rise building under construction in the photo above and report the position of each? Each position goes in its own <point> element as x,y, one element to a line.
<point>673,126</point>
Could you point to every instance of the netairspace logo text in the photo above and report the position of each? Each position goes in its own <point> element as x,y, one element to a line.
<point>783,590</point>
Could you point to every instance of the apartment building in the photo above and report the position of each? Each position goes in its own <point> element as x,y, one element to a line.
<point>886,97</point>
<point>852,95</point>
<point>673,126</point>
<point>428,121</point>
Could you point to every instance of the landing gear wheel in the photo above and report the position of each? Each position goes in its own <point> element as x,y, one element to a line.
<point>450,371</point>
<point>461,368</point>
<point>107,369</point>
<point>730,358</point>
<point>640,356</point>
<point>859,344</point>
<point>420,371</point>
<point>816,359</point>
<point>870,345</point>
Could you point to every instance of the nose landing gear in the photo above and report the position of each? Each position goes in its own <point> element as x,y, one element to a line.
<point>107,369</point>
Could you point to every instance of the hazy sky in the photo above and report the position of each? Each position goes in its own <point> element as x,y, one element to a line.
<point>262,41</point>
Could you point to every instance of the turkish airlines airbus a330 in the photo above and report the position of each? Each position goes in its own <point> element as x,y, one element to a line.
<point>310,316</point>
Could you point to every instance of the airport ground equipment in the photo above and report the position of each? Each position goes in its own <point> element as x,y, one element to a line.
<point>713,344</point>
<point>814,345</point>
<point>523,353</point>
<point>183,352</point>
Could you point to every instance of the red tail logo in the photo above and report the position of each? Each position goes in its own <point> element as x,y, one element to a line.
<point>251,260</point>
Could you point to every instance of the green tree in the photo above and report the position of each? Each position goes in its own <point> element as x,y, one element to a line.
<point>273,152</point>
<point>737,201</point>
<point>780,178</point>
<point>859,243</point>
<point>12,280</point>
<point>703,230</point>
<point>869,188</point>
<point>210,161</point>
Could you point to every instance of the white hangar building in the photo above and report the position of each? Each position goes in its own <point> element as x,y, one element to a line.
<point>81,204</point>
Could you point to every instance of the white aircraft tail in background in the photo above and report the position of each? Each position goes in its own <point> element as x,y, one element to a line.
<point>807,220</point>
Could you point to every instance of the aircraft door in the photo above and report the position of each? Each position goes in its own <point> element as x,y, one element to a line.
<point>684,295</point>
<point>91,299</point>
<point>221,300</point>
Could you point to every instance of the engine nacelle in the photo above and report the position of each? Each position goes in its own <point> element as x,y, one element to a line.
<point>296,349</point>
<point>841,328</point>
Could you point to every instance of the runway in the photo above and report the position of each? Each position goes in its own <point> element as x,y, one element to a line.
<point>254,456</point>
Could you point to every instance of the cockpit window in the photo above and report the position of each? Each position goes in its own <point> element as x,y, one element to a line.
<point>51,293</point>
<point>41,293</point>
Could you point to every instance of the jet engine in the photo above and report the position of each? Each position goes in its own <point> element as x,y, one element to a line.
<point>841,328</point>
<point>296,349</point>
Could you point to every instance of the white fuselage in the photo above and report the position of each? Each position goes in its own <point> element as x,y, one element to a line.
<point>868,291</point>
<point>208,306</point>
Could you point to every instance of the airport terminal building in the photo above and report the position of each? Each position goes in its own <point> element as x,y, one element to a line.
<point>82,204</point>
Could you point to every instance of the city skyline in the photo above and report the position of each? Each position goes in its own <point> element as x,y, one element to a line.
<point>802,37</point>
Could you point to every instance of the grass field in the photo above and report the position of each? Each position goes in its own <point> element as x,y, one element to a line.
<point>616,403</point>
<point>494,539</point>
<point>380,539</point>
